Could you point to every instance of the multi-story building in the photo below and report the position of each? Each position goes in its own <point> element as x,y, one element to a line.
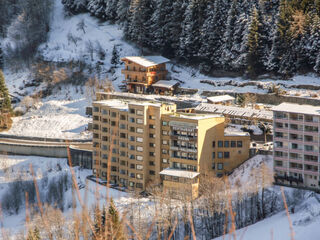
<point>296,145</point>
<point>149,143</point>
<point>141,72</point>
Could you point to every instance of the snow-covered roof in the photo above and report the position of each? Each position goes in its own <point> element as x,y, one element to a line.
<point>195,116</point>
<point>297,108</point>
<point>229,133</point>
<point>165,84</point>
<point>147,61</point>
<point>222,98</point>
<point>115,103</point>
<point>235,111</point>
<point>179,173</point>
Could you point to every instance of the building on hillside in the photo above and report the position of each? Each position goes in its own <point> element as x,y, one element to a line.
<point>222,99</point>
<point>141,72</point>
<point>296,145</point>
<point>150,143</point>
<point>237,115</point>
<point>165,87</point>
<point>81,155</point>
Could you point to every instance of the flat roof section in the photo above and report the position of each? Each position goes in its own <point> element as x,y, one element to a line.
<point>179,173</point>
<point>297,108</point>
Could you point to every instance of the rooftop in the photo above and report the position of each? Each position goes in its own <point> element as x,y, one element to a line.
<point>235,111</point>
<point>297,108</point>
<point>179,173</point>
<point>165,84</point>
<point>147,61</point>
<point>221,98</point>
<point>195,116</point>
<point>232,133</point>
<point>124,104</point>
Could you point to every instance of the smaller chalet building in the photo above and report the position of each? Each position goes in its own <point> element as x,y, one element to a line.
<point>142,72</point>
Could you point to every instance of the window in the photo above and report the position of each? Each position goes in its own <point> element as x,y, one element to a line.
<point>123,154</point>
<point>152,144</point>
<point>164,151</point>
<point>139,112</point>
<point>131,120</point>
<point>220,154</point>
<point>220,166</point>
<point>239,144</point>
<point>233,144</point>
<point>226,154</point>
<point>131,184</point>
<point>122,117</point>
<point>139,185</point>
<point>151,163</point>
<point>132,175</point>
<point>113,159</point>
<point>152,126</point>
<point>132,111</point>
<point>139,158</point>
<point>139,130</point>
<point>152,117</point>
<point>226,144</point>
<point>132,129</point>
<point>213,155</point>
<point>164,123</point>
<point>131,147</point>
<point>139,149</point>
<point>139,167</point>
<point>151,154</point>
<point>151,135</point>
<point>122,171</point>
<point>132,166</point>
<point>220,144</point>
<point>165,133</point>
<point>114,150</point>
<point>113,114</point>
<point>96,109</point>
<point>122,144</point>
<point>139,121</point>
<point>151,172</point>
<point>165,142</point>
<point>139,176</point>
<point>123,126</point>
<point>139,139</point>
<point>131,156</point>
<point>113,123</point>
<point>214,144</point>
<point>213,165</point>
<point>164,160</point>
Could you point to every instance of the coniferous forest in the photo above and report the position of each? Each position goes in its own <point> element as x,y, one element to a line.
<point>221,37</point>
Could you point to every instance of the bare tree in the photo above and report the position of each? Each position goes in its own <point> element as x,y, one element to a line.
<point>81,26</point>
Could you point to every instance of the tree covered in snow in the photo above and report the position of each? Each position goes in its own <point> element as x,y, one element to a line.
<point>242,36</point>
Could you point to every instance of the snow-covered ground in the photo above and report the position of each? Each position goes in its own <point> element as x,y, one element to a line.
<point>54,117</point>
<point>306,222</point>
<point>18,167</point>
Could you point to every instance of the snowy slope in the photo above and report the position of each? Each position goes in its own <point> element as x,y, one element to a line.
<point>306,222</point>
<point>55,118</point>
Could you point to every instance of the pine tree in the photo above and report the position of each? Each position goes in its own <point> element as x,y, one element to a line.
<point>255,53</point>
<point>1,57</point>
<point>4,93</point>
<point>97,8</point>
<point>212,34</point>
<point>111,10</point>
<point>115,56</point>
<point>190,40</point>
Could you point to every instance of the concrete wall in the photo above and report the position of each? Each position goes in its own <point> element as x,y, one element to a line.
<point>41,139</point>
<point>34,150</point>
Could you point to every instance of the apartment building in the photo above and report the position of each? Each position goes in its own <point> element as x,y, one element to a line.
<point>296,145</point>
<point>141,72</point>
<point>150,143</point>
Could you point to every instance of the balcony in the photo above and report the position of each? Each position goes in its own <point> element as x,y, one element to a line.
<point>184,149</point>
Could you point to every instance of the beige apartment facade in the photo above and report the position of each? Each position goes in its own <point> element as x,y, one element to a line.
<point>150,143</point>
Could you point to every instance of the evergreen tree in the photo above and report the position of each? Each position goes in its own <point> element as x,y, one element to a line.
<point>123,12</point>
<point>4,93</point>
<point>227,54</point>
<point>212,34</point>
<point>190,40</point>
<point>97,8</point>
<point>137,29</point>
<point>1,57</point>
<point>115,56</point>
<point>255,53</point>
<point>75,6</point>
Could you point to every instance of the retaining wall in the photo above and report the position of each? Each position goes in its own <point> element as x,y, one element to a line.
<point>34,150</point>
